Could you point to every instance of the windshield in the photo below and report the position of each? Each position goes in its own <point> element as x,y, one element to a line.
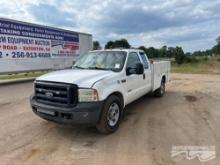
<point>102,60</point>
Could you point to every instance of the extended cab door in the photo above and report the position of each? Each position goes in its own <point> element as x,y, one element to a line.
<point>147,72</point>
<point>135,84</point>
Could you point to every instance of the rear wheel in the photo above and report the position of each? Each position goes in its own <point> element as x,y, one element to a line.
<point>111,115</point>
<point>161,91</point>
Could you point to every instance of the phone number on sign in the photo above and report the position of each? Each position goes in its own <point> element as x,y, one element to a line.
<point>26,55</point>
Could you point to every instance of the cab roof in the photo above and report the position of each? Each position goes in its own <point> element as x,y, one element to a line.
<point>119,49</point>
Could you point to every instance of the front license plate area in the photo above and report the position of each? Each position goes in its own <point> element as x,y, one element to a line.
<point>46,112</point>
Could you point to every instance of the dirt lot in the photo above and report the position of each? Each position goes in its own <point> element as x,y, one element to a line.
<point>187,115</point>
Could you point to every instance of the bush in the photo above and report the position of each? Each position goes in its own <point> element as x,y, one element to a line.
<point>194,60</point>
<point>191,59</point>
<point>205,59</point>
<point>188,59</point>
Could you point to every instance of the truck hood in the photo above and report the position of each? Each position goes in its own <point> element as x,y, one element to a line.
<point>80,77</point>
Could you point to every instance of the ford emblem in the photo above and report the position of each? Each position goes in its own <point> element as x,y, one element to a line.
<point>49,94</point>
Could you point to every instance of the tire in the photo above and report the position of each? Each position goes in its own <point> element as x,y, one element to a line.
<point>110,116</point>
<point>161,91</point>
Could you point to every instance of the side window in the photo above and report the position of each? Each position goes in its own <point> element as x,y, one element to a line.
<point>133,59</point>
<point>144,59</point>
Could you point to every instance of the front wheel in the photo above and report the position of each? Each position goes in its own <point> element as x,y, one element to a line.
<point>161,90</point>
<point>111,115</point>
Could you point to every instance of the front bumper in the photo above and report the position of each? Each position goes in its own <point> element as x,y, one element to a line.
<point>82,113</point>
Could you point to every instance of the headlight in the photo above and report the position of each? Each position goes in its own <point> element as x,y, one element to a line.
<point>86,95</point>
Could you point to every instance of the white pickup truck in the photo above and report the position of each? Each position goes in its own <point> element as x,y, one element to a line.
<point>98,87</point>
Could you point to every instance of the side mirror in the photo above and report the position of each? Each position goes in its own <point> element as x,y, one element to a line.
<point>138,69</point>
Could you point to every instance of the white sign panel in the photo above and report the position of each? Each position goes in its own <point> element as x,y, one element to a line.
<point>26,46</point>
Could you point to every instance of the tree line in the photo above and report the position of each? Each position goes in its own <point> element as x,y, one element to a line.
<point>164,52</point>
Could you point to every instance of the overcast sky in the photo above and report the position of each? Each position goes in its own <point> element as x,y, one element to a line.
<point>192,24</point>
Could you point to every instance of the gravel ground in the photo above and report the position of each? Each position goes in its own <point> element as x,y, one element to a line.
<point>188,115</point>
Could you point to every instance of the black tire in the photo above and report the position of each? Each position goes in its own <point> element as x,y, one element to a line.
<point>103,125</point>
<point>161,91</point>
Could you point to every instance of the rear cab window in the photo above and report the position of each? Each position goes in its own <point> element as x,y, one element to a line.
<point>144,60</point>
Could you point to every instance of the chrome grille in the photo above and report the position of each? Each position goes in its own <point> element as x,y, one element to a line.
<point>59,94</point>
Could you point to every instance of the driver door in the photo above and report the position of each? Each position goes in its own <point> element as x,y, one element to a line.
<point>134,82</point>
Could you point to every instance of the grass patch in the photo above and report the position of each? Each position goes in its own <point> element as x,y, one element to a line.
<point>210,65</point>
<point>21,75</point>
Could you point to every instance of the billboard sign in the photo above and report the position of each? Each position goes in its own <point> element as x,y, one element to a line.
<point>27,41</point>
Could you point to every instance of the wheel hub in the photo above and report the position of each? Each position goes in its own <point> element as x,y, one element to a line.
<point>113,114</point>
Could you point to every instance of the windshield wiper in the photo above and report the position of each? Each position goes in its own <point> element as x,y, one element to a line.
<point>98,68</point>
<point>78,67</point>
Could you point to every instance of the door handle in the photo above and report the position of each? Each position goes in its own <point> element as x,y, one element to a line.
<point>123,81</point>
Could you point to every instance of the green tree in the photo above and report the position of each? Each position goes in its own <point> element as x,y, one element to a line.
<point>96,45</point>
<point>218,40</point>
<point>142,48</point>
<point>122,43</point>
<point>179,56</point>
<point>152,52</point>
<point>216,48</point>
<point>171,52</point>
<point>163,51</point>
<point>109,45</point>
